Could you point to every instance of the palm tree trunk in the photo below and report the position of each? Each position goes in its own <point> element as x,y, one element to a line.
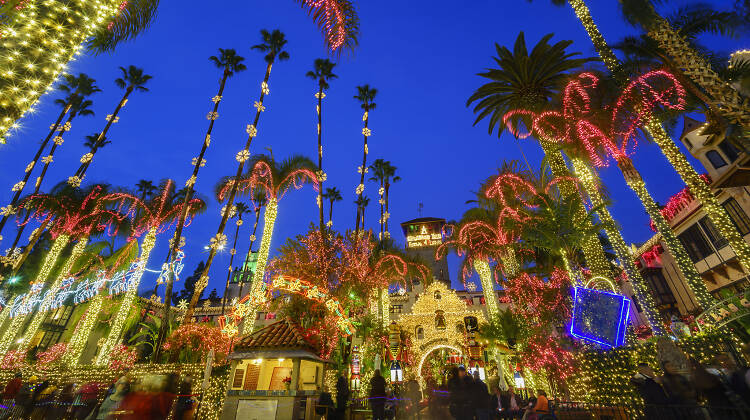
<point>81,334</point>
<point>231,261</point>
<point>320,160</point>
<point>33,239</point>
<point>183,216</point>
<point>586,176</point>
<point>381,201</point>
<point>694,280</point>
<point>698,187</point>
<point>330,212</point>
<point>81,172</point>
<point>482,268</point>
<point>126,306</point>
<point>38,185</point>
<point>257,286</point>
<point>725,99</point>
<point>36,321</point>
<point>593,251</point>
<point>50,260</point>
<point>387,188</point>
<point>32,164</point>
<point>203,281</point>
<point>362,175</point>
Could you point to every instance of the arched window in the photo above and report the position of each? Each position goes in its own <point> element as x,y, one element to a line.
<point>715,158</point>
<point>419,333</point>
<point>439,320</point>
<point>437,295</point>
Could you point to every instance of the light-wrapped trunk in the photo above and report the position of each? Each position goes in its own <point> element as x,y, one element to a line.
<point>126,306</point>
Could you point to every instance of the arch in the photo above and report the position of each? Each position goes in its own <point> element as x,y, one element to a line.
<point>601,283</point>
<point>429,350</point>
<point>229,323</point>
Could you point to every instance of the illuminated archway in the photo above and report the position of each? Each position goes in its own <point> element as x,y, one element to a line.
<point>428,351</point>
<point>601,283</point>
<point>247,305</point>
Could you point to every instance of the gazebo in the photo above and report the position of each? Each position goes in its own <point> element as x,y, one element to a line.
<point>276,374</point>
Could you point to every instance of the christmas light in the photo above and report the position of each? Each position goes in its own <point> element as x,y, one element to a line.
<point>39,41</point>
<point>269,220</point>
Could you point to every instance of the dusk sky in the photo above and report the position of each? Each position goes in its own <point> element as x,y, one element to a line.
<point>421,56</point>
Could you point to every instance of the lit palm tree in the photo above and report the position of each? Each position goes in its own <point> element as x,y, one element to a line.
<point>259,200</point>
<point>390,178</point>
<point>332,195</point>
<point>239,210</point>
<point>378,169</point>
<point>146,189</point>
<point>272,45</point>
<point>78,88</point>
<point>366,97</point>
<point>157,214</point>
<point>133,18</point>
<point>528,80</point>
<point>275,179</point>
<point>132,79</point>
<point>693,64</point>
<point>716,213</point>
<point>230,63</point>
<point>72,214</point>
<point>361,202</point>
<point>322,73</point>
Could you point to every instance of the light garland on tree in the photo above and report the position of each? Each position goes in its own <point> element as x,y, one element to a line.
<point>39,41</point>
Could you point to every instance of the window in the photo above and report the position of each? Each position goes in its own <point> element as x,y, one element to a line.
<point>738,216</point>
<point>54,325</point>
<point>439,320</point>
<point>420,333</point>
<point>729,150</point>
<point>715,158</point>
<point>658,285</point>
<point>695,243</point>
<point>437,295</point>
<point>712,233</point>
<point>396,309</point>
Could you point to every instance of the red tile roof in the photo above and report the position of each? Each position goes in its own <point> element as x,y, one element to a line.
<point>283,334</point>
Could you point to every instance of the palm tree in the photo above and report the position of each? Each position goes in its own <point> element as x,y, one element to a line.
<point>132,79</point>
<point>322,72</point>
<point>275,179</point>
<point>133,18</point>
<point>73,214</point>
<point>693,64</point>
<point>78,88</point>
<point>332,194</point>
<point>390,178</point>
<point>716,213</point>
<point>240,209</point>
<point>158,213</point>
<point>528,81</point>
<point>366,97</point>
<point>259,200</point>
<point>146,189</point>
<point>272,45</point>
<point>378,175</point>
<point>230,63</point>
<point>597,142</point>
<point>362,201</point>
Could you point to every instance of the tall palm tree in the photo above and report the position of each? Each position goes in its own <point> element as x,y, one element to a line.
<point>390,178</point>
<point>272,45</point>
<point>78,88</point>
<point>259,200</point>
<point>332,194</point>
<point>322,72</point>
<point>361,202</point>
<point>157,214</point>
<point>378,169</point>
<point>133,79</point>
<point>145,189</point>
<point>366,97</point>
<point>275,179</point>
<point>230,63</point>
<point>133,18</point>
<point>240,209</point>
<point>73,214</point>
<point>528,80</point>
<point>716,213</point>
<point>693,64</point>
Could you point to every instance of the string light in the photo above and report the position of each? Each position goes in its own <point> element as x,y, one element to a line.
<point>269,220</point>
<point>39,42</point>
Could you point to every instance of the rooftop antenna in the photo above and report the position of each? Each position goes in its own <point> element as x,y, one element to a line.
<point>420,207</point>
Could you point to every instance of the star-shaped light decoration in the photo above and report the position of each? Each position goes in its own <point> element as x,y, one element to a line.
<point>322,176</point>
<point>239,222</point>
<point>216,99</point>
<point>366,132</point>
<point>252,238</point>
<point>58,140</point>
<point>18,186</point>
<point>190,182</point>
<point>360,189</point>
<point>320,95</point>
<point>264,88</point>
<point>259,106</point>
<point>74,181</point>
<point>206,304</point>
<point>47,159</point>
<point>67,126</point>
<point>212,116</point>
<point>218,241</point>
<point>471,286</point>
<point>30,166</point>
<point>242,156</point>
<point>87,157</point>
<point>182,304</point>
<point>330,223</point>
<point>251,130</point>
<point>109,117</point>
<point>195,162</point>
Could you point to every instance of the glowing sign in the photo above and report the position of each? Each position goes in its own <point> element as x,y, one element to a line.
<point>424,238</point>
<point>599,316</point>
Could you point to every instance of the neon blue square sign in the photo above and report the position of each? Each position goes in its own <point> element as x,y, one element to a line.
<point>599,316</point>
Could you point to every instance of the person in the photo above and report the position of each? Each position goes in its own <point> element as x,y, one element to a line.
<point>541,407</point>
<point>342,397</point>
<point>497,407</point>
<point>650,389</point>
<point>413,397</point>
<point>88,396</point>
<point>186,404</point>
<point>377,396</point>
<point>64,404</point>
<point>512,404</point>
<point>112,402</point>
<point>480,398</point>
<point>459,387</point>
<point>11,390</point>
<point>325,404</point>
<point>678,389</point>
<point>25,399</point>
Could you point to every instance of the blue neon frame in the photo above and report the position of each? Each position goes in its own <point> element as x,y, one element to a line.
<point>621,322</point>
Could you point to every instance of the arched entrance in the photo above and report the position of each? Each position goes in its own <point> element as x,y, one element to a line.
<point>429,351</point>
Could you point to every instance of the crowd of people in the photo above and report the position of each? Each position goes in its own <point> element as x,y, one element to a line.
<point>722,386</point>
<point>127,398</point>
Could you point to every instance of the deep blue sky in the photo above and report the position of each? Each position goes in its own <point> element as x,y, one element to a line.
<point>422,56</point>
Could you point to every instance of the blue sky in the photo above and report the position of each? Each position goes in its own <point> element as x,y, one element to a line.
<point>421,56</point>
